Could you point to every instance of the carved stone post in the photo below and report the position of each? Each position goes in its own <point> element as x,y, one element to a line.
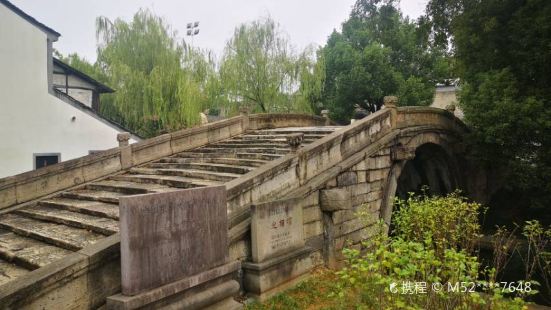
<point>391,103</point>
<point>325,114</point>
<point>123,138</point>
<point>295,140</point>
<point>126,150</point>
<point>451,108</point>
<point>244,111</point>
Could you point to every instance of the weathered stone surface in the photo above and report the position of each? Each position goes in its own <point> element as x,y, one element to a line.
<point>335,199</point>
<point>84,206</point>
<point>311,214</point>
<point>27,251</point>
<point>347,178</point>
<point>168,236</point>
<point>178,292</point>
<point>60,235</point>
<point>101,225</point>
<point>276,228</point>
<point>266,278</point>
<point>9,271</point>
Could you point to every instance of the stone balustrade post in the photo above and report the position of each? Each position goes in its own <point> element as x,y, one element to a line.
<point>325,115</point>
<point>126,150</point>
<point>391,103</point>
<point>295,140</point>
<point>451,108</point>
<point>244,111</point>
<point>123,138</point>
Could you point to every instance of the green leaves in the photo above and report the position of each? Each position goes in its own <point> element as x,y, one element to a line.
<point>379,53</point>
<point>260,69</point>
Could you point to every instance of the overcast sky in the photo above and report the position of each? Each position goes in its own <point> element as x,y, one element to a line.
<point>305,21</point>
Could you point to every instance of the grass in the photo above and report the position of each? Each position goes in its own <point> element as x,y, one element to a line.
<point>311,294</point>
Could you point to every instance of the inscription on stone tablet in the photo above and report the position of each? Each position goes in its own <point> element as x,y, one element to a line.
<point>276,228</point>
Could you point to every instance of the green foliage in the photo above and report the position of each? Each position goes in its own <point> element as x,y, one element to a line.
<point>379,53</point>
<point>260,69</point>
<point>142,59</point>
<point>163,84</point>
<point>450,222</point>
<point>501,54</point>
<point>426,248</point>
<point>537,256</point>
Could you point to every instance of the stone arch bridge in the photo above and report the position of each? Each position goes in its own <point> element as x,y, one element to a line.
<point>59,240</point>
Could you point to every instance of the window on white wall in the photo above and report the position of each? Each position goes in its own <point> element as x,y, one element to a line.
<point>45,159</point>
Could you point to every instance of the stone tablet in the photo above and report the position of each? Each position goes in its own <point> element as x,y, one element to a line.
<point>276,229</point>
<point>169,236</point>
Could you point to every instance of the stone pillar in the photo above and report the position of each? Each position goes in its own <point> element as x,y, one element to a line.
<point>295,140</point>
<point>123,138</point>
<point>451,108</point>
<point>244,111</point>
<point>391,103</point>
<point>325,114</point>
<point>126,150</point>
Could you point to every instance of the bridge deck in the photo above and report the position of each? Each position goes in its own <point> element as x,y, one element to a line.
<point>39,234</point>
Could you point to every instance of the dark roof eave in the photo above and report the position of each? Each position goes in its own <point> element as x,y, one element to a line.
<point>30,19</point>
<point>68,99</point>
<point>102,88</point>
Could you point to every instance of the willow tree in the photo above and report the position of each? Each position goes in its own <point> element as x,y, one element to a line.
<point>259,68</point>
<point>143,61</point>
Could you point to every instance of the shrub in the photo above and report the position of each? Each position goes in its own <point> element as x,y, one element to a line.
<point>451,222</point>
<point>427,264</point>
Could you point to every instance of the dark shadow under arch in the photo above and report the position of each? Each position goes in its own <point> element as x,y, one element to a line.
<point>431,167</point>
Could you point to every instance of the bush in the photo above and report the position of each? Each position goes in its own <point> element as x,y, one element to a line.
<point>427,264</point>
<point>451,222</point>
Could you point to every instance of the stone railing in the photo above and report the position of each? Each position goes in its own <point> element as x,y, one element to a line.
<point>31,185</point>
<point>266,121</point>
<point>35,184</point>
<point>299,173</point>
<point>293,170</point>
<point>429,116</point>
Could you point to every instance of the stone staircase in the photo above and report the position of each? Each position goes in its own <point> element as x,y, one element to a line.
<point>37,234</point>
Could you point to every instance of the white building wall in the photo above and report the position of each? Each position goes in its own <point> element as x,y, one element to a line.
<point>31,119</point>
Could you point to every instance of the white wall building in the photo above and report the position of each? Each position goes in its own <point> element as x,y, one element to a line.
<point>39,124</point>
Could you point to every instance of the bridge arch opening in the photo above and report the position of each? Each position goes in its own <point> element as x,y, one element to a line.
<point>432,168</point>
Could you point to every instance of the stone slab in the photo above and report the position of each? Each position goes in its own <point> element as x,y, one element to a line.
<point>276,228</point>
<point>165,292</point>
<point>260,278</point>
<point>169,236</point>
<point>335,199</point>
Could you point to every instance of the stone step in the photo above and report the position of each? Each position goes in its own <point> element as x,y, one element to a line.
<point>290,130</point>
<point>126,187</point>
<point>100,225</point>
<point>254,156</point>
<point>172,181</point>
<point>271,150</point>
<point>90,207</point>
<point>249,145</point>
<point>259,156</point>
<point>281,139</point>
<point>88,194</point>
<point>268,137</point>
<point>205,175</point>
<point>202,166</point>
<point>27,252</point>
<point>60,235</point>
<point>225,161</point>
<point>9,271</point>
